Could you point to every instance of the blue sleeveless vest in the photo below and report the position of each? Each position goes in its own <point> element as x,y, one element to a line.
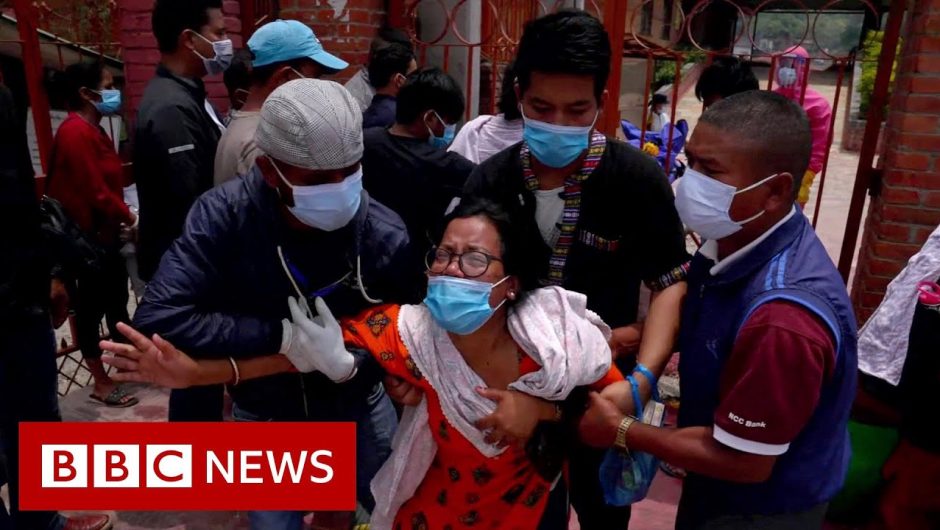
<point>792,265</point>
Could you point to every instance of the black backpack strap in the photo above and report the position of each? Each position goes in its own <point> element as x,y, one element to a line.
<point>51,167</point>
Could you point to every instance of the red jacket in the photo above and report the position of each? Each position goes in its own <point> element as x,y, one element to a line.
<point>87,178</point>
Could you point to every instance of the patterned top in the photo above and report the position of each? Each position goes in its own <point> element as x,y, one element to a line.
<point>463,488</point>
<point>572,196</point>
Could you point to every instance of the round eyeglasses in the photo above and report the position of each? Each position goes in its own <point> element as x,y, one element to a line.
<point>472,264</point>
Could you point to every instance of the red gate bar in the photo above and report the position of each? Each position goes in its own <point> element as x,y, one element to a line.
<point>615,21</point>
<point>32,67</point>
<point>879,98</point>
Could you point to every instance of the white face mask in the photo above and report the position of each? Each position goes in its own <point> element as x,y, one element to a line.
<point>327,207</point>
<point>224,52</point>
<point>703,204</point>
<point>786,76</point>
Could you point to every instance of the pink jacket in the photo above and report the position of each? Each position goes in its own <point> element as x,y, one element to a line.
<point>816,106</point>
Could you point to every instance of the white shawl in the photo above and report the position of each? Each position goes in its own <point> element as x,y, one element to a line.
<point>883,340</point>
<point>551,325</point>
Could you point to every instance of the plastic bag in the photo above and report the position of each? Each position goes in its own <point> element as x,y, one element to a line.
<point>626,478</point>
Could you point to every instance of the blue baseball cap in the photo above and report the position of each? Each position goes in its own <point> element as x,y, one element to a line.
<point>286,40</point>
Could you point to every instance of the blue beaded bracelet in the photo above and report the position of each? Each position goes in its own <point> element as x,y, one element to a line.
<point>646,373</point>
<point>637,402</point>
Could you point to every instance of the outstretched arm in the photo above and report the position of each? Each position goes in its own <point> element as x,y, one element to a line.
<point>158,362</point>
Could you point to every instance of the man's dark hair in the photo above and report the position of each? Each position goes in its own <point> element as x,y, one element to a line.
<point>389,35</point>
<point>508,102</point>
<point>388,61</point>
<point>429,89</point>
<point>172,17</point>
<point>67,85</point>
<point>725,77</point>
<point>774,128</point>
<point>238,74</point>
<point>566,42</point>
<point>517,258</point>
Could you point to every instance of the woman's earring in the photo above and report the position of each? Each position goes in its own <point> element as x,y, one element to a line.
<point>511,295</point>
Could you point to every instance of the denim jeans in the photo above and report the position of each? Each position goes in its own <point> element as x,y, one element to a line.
<point>375,428</point>
<point>28,378</point>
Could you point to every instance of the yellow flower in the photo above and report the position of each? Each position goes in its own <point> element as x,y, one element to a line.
<point>651,149</point>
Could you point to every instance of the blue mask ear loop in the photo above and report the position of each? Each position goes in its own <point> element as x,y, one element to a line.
<point>280,255</point>
<point>357,240</point>
<point>300,295</point>
<point>362,288</point>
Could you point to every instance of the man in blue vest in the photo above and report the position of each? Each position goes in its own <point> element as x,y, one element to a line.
<point>768,338</point>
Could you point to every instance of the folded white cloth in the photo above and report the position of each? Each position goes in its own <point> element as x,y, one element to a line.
<point>484,136</point>
<point>552,325</point>
<point>883,340</point>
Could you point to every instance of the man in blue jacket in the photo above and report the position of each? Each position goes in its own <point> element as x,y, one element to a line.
<point>768,335</point>
<point>299,224</point>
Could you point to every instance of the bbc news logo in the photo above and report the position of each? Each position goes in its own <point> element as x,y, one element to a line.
<point>116,466</point>
<point>187,466</point>
<point>170,466</point>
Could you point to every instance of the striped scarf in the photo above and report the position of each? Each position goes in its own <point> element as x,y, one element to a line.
<point>572,196</point>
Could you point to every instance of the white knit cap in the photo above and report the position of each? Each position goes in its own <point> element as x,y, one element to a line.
<point>311,123</point>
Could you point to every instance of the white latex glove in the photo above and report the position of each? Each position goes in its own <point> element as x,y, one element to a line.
<point>316,343</point>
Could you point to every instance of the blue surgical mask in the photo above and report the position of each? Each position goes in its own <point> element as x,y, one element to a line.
<point>223,53</point>
<point>442,142</point>
<point>110,103</point>
<point>704,204</point>
<point>460,305</point>
<point>555,145</point>
<point>327,207</point>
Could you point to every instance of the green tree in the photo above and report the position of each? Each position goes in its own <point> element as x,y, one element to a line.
<point>871,51</point>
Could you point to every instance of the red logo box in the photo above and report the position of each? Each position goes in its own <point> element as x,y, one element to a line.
<point>188,466</point>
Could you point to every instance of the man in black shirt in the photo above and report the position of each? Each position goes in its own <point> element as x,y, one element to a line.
<point>604,218</point>
<point>407,166</point>
<point>177,132</point>
<point>388,70</point>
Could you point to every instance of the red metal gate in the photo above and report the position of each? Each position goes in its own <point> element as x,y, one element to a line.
<point>868,176</point>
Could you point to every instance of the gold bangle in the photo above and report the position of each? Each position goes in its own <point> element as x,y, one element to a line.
<point>620,442</point>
